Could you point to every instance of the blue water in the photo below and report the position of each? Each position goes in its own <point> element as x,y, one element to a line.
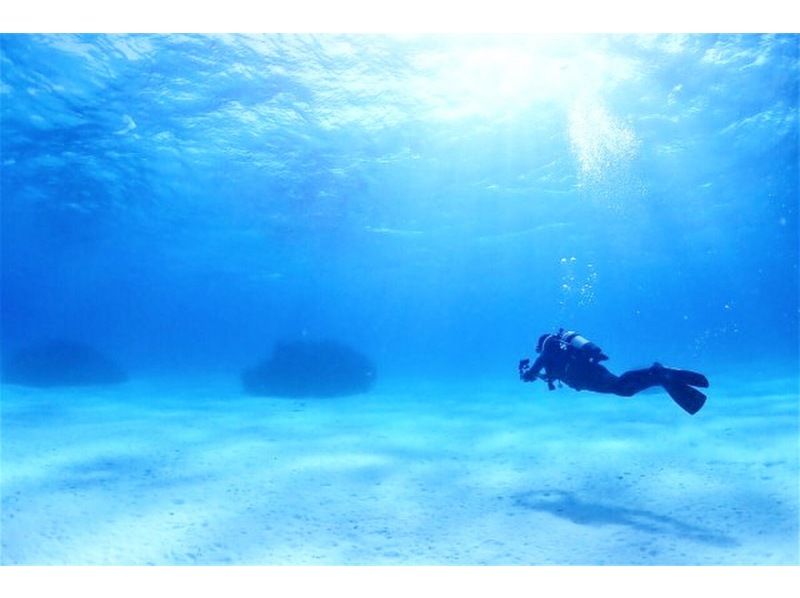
<point>182,202</point>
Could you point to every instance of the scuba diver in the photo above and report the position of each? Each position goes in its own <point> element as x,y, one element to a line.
<point>570,358</point>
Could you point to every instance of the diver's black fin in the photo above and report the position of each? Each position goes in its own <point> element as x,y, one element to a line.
<point>683,376</point>
<point>690,399</point>
<point>689,377</point>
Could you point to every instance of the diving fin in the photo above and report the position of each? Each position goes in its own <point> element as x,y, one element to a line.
<point>689,377</point>
<point>682,376</point>
<point>690,399</point>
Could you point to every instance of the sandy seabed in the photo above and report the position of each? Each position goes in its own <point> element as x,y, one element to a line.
<point>170,472</point>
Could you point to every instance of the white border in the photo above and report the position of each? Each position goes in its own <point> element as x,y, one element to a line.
<point>400,582</point>
<point>394,16</point>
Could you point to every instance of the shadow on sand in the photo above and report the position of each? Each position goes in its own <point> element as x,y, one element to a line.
<point>565,505</point>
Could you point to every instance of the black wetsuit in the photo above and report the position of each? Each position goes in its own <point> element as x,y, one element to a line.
<point>581,370</point>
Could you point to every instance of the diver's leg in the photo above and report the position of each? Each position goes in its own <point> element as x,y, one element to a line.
<point>634,381</point>
<point>594,377</point>
<point>690,399</point>
<point>599,379</point>
<point>637,380</point>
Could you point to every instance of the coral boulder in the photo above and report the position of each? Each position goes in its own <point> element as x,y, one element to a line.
<point>310,369</point>
<point>61,363</point>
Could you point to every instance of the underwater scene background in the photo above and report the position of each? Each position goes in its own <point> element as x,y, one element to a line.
<point>381,227</point>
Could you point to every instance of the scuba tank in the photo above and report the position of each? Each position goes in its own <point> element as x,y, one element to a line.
<point>583,346</point>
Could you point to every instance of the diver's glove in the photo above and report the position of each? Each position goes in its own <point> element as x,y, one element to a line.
<point>523,367</point>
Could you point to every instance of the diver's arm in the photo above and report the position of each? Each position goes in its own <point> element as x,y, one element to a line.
<point>532,373</point>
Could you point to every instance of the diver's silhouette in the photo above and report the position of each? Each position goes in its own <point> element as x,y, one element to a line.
<point>570,358</point>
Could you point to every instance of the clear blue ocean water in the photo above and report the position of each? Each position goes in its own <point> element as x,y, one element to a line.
<point>182,202</point>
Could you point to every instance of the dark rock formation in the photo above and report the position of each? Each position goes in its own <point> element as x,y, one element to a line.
<point>61,363</point>
<point>310,369</point>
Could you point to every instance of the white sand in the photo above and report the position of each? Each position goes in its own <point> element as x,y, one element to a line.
<point>156,473</point>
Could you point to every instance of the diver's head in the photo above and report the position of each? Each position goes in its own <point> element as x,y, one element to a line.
<point>540,344</point>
